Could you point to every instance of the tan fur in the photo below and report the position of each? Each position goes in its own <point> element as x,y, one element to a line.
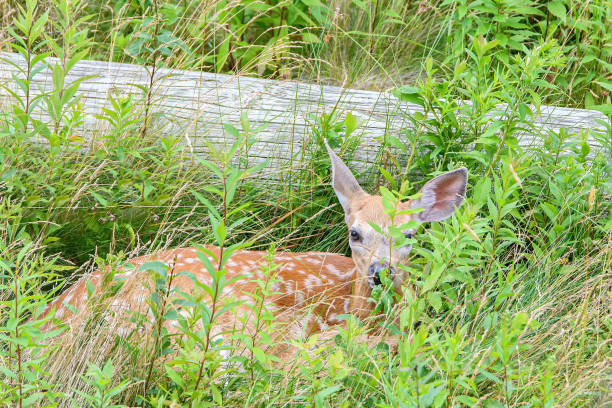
<point>366,209</point>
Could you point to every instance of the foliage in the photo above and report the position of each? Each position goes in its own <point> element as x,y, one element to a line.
<point>578,28</point>
<point>101,380</point>
<point>506,303</point>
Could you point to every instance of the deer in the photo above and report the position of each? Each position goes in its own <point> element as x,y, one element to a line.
<point>330,285</point>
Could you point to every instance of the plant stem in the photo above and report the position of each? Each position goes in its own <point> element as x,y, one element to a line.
<point>214,299</point>
<point>152,75</point>
<point>159,324</point>
<point>16,316</point>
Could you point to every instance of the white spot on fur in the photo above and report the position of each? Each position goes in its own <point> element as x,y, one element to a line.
<point>313,280</point>
<point>59,313</point>
<point>347,303</point>
<point>313,260</point>
<point>191,260</point>
<point>331,268</point>
<point>289,287</point>
<point>231,264</point>
<point>283,258</point>
<point>248,270</point>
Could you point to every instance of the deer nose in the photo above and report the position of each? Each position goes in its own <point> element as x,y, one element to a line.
<point>374,271</point>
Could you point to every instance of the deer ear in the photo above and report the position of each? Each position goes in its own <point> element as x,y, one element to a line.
<point>344,183</point>
<point>441,195</point>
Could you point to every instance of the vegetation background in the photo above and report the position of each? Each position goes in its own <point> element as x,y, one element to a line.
<point>511,305</point>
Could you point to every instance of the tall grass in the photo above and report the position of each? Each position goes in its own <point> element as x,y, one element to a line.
<point>506,304</point>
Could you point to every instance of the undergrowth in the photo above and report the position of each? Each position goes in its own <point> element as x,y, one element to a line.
<point>506,304</point>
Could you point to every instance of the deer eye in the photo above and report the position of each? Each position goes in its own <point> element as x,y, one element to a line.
<point>409,235</point>
<point>354,235</point>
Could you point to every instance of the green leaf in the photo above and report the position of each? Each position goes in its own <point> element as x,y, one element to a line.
<point>29,401</point>
<point>326,392</point>
<point>606,109</point>
<point>482,191</point>
<point>208,205</point>
<point>388,177</point>
<point>71,308</point>
<point>435,300</point>
<point>376,228</point>
<point>362,5</point>
<point>41,128</point>
<point>259,355</point>
<point>493,212</point>
<point>350,123</point>
<point>155,266</point>
<point>310,38</point>
<point>91,288</point>
<point>221,233</point>
<point>433,277</point>
<point>557,9</point>
<point>409,94</point>
<point>231,129</point>
<point>101,200</point>
<point>8,373</point>
<point>207,263</point>
<point>57,77</point>
<point>222,54</point>
<point>217,398</point>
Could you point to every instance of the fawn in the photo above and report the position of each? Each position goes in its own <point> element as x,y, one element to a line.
<point>329,284</point>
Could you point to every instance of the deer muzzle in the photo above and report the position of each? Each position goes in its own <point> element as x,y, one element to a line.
<point>375,269</point>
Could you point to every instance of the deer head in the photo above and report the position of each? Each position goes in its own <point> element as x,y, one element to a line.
<point>372,251</point>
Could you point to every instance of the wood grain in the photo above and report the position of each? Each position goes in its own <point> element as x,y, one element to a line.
<point>195,105</point>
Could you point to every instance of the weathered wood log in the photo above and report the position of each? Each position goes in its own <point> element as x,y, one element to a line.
<point>195,105</point>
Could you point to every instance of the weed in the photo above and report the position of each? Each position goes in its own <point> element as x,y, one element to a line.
<point>505,304</point>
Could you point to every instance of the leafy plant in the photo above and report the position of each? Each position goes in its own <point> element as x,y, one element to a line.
<point>62,102</point>
<point>101,379</point>
<point>23,342</point>
<point>26,42</point>
<point>492,294</point>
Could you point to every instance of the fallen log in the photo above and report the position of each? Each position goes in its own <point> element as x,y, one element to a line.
<point>195,105</point>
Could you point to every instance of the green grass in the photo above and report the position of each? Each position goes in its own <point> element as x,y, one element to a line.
<point>517,312</point>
